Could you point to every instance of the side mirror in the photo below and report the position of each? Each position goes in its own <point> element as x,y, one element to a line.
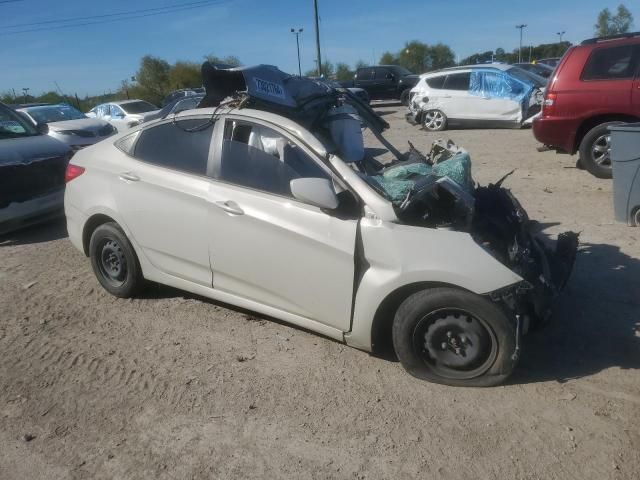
<point>315,191</point>
<point>390,76</point>
<point>42,128</point>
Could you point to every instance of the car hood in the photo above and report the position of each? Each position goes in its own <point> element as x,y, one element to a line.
<point>26,150</point>
<point>92,124</point>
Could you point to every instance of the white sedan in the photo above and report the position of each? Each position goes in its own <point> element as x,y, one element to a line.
<point>251,208</point>
<point>123,114</point>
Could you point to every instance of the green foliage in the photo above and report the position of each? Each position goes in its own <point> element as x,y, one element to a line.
<point>343,72</point>
<point>388,58</point>
<point>185,75</point>
<point>360,64</point>
<point>420,57</point>
<point>228,60</point>
<point>608,24</point>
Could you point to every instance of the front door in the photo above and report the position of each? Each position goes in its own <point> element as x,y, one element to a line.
<point>163,197</point>
<point>265,245</point>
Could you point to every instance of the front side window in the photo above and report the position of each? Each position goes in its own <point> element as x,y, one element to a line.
<point>457,81</point>
<point>262,159</point>
<point>181,145</point>
<point>611,63</point>
<point>116,111</point>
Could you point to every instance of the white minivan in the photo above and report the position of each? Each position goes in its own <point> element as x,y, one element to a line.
<point>491,96</point>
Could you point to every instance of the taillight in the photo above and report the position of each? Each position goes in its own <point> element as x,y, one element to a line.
<point>73,171</point>
<point>549,104</point>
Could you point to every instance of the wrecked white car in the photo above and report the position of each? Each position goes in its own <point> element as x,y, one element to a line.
<point>265,198</point>
<point>489,96</point>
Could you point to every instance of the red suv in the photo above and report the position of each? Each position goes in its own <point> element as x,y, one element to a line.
<point>596,84</point>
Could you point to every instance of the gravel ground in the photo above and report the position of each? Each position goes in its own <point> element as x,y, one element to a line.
<point>171,386</point>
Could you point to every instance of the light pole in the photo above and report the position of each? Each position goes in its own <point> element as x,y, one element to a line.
<point>319,60</point>
<point>521,27</point>
<point>25,91</point>
<point>297,34</point>
<point>560,34</point>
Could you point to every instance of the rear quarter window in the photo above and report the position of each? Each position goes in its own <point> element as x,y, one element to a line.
<point>181,145</point>
<point>611,63</point>
<point>436,82</point>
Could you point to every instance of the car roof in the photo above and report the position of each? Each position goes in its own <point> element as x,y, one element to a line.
<point>494,66</point>
<point>269,117</point>
<point>124,102</point>
<point>621,37</point>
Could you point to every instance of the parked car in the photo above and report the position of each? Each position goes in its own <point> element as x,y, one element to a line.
<point>259,209</point>
<point>32,170</point>
<point>551,62</point>
<point>539,69</point>
<point>178,105</point>
<point>69,125</point>
<point>382,82</point>
<point>123,114</point>
<point>182,93</point>
<point>495,95</point>
<point>596,85</point>
<point>361,93</point>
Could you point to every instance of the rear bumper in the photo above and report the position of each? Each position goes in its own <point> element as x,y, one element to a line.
<point>39,209</point>
<point>557,133</point>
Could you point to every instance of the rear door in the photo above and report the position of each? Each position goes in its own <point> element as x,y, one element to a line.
<point>455,98</point>
<point>162,194</point>
<point>385,82</point>
<point>267,246</point>
<point>365,78</point>
<point>635,95</point>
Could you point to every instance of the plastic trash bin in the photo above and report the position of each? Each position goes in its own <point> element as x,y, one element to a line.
<point>625,160</point>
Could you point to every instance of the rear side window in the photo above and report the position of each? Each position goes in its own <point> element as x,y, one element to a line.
<point>436,82</point>
<point>365,74</point>
<point>260,158</point>
<point>611,63</point>
<point>457,81</point>
<point>182,145</point>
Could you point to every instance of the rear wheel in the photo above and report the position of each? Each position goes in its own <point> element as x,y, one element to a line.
<point>114,261</point>
<point>404,97</point>
<point>595,150</point>
<point>434,120</point>
<point>454,337</point>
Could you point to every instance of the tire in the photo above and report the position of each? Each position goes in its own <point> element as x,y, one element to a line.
<point>404,97</point>
<point>454,337</point>
<point>114,261</point>
<point>595,150</point>
<point>434,120</point>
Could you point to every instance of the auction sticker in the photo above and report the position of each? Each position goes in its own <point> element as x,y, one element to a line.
<point>269,88</point>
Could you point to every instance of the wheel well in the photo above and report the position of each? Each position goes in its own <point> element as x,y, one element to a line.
<point>589,123</point>
<point>89,227</point>
<point>381,341</point>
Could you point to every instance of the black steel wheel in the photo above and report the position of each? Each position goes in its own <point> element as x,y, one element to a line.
<point>454,337</point>
<point>114,261</point>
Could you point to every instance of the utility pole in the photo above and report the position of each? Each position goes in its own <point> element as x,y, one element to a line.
<point>521,27</point>
<point>25,91</point>
<point>560,34</point>
<point>315,10</point>
<point>297,34</point>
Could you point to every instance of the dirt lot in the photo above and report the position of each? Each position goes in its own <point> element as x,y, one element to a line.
<point>173,387</point>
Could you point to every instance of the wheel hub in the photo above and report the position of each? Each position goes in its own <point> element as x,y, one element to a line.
<point>601,150</point>
<point>113,261</point>
<point>456,341</point>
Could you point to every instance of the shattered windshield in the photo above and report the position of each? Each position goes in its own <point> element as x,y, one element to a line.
<point>54,113</point>
<point>14,126</point>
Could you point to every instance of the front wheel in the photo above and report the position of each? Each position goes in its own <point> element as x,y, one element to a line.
<point>404,97</point>
<point>595,150</point>
<point>434,120</point>
<point>454,337</point>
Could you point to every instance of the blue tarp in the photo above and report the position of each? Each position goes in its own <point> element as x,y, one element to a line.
<point>498,84</point>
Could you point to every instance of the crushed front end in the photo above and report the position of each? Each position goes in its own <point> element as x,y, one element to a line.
<point>437,191</point>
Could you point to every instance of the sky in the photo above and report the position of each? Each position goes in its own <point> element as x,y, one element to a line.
<point>93,59</point>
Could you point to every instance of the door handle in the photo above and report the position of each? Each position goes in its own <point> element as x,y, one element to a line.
<point>129,177</point>
<point>230,207</point>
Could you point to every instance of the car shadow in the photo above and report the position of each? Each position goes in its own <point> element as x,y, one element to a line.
<point>595,325</point>
<point>53,229</point>
<point>385,103</point>
<point>387,112</point>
